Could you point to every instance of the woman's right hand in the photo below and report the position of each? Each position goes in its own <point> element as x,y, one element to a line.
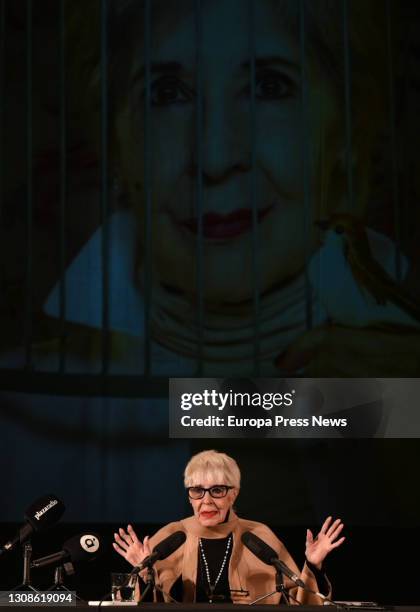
<point>130,547</point>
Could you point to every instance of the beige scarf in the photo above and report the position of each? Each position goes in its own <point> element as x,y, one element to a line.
<point>249,577</point>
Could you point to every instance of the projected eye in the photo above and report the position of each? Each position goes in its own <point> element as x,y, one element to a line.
<point>274,85</point>
<point>168,90</point>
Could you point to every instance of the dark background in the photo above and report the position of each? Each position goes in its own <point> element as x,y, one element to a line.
<point>101,442</point>
<point>286,484</point>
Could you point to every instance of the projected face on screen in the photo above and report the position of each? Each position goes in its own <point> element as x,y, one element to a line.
<point>227,149</point>
<point>269,140</point>
<point>264,182</point>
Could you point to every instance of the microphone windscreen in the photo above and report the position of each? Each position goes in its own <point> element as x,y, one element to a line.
<point>44,512</point>
<point>263,551</point>
<point>169,545</point>
<point>83,547</point>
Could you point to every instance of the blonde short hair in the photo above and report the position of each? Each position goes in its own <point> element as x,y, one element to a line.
<point>211,463</point>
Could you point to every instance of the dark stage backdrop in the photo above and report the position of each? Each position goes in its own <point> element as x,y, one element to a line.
<point>112,460</point>
<point>207,189</point>
<point>114,464</point>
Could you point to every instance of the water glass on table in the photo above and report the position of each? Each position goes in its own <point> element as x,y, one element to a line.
<point>123,586</point>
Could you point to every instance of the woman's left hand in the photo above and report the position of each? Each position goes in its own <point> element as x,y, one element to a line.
<point>318,548</point>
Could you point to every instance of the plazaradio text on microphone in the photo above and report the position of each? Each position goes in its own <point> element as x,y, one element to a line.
<point>41,512</point>
<point>277,408</point>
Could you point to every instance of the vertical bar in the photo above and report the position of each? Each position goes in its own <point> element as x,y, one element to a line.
<point>2,135</point>
<point>305,135</point>
<point>253,176</point>
<point>28,325</point>
<point>2,102</point>
<point>147,189</point>
<point>104,421</point>
<point>63,186</point>
<point>104,187</point>
<point>405,92</point>
<point>393,132</point>
<point>348,110</point>
<point>199,185</point>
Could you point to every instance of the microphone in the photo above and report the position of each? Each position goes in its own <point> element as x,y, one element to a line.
<point>268,555</point>
<point>162,550</point>
<point>44,512</point>
<point>83,547</point>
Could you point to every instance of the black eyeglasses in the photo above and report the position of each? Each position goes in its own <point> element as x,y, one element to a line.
<point>215,491</point>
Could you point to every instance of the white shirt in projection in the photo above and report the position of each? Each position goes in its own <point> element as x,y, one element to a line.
<point>334,296</point>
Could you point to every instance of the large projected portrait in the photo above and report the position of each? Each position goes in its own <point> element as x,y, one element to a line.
<point>233,199</point>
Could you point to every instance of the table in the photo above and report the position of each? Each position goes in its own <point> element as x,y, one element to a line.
<point>162,607</point>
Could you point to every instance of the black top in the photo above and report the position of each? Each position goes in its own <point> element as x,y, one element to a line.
<point>214,550</point>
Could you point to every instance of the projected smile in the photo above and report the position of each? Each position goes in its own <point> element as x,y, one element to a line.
<point>217,226</point>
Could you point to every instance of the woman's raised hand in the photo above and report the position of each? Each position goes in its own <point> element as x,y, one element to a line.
<point>128,545</point>
<point>318,548</point>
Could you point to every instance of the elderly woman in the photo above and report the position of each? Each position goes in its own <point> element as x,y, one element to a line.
<point>264,240</point>
<point>213,564</point>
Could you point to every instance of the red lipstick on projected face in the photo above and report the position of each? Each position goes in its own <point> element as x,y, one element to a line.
<point>223,227</point>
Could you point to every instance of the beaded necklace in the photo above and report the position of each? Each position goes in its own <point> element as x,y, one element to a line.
<point>212,587</point>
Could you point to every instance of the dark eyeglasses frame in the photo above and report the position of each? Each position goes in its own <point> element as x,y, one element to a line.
<point>226,487</point>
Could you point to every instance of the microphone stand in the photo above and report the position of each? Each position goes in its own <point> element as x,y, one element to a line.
<point>152,586</point>
<point>26,582</point>
<point>59,579</point>
<point>150,583</point>
<point>280,588</point>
